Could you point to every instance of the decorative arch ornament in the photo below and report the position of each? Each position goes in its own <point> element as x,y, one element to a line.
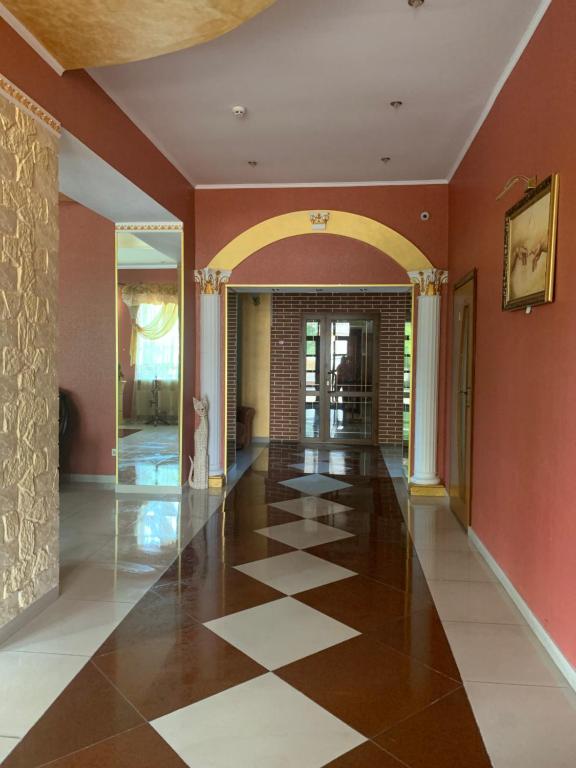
<point>385,239</point>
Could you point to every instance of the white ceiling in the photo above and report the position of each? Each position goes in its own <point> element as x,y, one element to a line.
<point>146,250</point>
<point>317,77</point>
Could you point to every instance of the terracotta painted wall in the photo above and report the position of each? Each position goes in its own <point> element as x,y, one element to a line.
<point>88,113</point>
<point>86,350</point>
<point>525,420</point>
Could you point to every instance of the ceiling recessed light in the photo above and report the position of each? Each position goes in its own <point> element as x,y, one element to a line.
<point>415,3</point>
<point>396,104</point>
<point>385,159</point>
<point>253,163</point>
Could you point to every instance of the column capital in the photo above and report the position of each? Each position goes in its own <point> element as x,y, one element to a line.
<point>429,281</point>
<point>211,280</point>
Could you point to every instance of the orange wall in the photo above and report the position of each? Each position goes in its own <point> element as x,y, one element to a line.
<point>524,415</point>
<point>88,113</point>
<point>86,349</point>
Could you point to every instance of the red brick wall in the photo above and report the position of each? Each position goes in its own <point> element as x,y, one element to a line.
<point>285,358</point>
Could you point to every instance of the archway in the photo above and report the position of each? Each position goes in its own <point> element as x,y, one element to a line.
<point>385,239</point>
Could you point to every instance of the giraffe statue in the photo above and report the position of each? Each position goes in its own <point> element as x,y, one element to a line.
<point>198,475</point>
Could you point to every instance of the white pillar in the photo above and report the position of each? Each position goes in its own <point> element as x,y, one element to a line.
<point>430,283</point>
<point>211,283</point>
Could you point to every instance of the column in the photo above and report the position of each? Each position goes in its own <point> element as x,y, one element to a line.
<point>211,284</point>
<point>429,284</point>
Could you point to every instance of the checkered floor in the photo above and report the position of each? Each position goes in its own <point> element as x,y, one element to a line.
<point>295,631</point>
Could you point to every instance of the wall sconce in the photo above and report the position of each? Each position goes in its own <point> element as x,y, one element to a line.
<point>531,183</point>
<point>319,220</point>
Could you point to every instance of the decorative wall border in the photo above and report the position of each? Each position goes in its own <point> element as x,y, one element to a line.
<point>18,97</point>
<point>174,226</point>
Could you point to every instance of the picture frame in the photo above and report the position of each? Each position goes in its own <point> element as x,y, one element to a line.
<point>530,247</point>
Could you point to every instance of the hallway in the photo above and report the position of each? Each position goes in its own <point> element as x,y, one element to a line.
<point>296,628</point>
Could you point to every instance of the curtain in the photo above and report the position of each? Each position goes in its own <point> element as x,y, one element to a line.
<point>162,322</point>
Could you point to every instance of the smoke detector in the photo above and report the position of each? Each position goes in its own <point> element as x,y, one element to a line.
<point>239,111</point>
<point>415,3</point>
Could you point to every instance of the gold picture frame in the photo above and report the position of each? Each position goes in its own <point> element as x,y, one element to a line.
<point>530,247</point>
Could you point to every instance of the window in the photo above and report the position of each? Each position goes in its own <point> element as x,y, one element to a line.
<point>159,358</point>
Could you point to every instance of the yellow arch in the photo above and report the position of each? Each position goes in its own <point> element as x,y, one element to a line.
<point>369,231</point>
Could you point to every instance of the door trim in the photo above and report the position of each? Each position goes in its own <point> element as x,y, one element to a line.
<point>472,275</point>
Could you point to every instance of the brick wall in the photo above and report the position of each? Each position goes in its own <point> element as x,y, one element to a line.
<point>285,358</point>
<point>232,363</point>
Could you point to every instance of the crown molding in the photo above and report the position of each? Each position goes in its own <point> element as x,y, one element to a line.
<point>326,184</point>
<point>28,105</point>
<point>518,51</point>
<point>149,226</point>
<point>32,41</point>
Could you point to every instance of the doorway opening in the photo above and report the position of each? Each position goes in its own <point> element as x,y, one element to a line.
<point>329,365</point>
<point>149,360</point>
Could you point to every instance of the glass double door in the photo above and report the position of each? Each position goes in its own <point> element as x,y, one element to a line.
<point>339,379</point>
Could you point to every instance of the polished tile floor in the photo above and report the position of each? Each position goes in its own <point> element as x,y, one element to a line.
<point>328,624</point>
<point>148,455</point>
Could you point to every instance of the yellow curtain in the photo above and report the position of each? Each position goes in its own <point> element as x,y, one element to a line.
<point>159,326</point>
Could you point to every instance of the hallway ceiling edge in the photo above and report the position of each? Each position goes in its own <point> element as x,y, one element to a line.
<point>387,240</point>
<point>122,31</point>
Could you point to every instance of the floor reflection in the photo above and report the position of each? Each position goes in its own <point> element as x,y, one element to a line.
<point>149,456</point>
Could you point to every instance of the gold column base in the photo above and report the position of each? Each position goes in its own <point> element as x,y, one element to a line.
<point>217,481</point>
<point>427,490</point>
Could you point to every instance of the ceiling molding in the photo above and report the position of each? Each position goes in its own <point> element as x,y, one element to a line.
<point>29,38</point>
<point>518,51</point>
<point>327,184</point>
<point>28,105</point>
<point>161,226</point>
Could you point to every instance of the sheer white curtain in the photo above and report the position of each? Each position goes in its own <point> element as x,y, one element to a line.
<point>156,359</point>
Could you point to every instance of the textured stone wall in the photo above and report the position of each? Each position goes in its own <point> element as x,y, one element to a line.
<point>28,381</point>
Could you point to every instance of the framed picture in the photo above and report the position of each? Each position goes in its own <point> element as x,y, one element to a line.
<point>530,247</point>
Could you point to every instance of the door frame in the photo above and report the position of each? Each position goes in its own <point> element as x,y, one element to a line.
<point>471,276</point>
<point>325,318</point>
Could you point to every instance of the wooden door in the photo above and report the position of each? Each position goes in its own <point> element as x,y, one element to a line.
<point>463,313</point>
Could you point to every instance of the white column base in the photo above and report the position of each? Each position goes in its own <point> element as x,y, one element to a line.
<point>425,480</point>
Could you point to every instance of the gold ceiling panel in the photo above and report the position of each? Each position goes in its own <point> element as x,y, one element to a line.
<point>102,32</point>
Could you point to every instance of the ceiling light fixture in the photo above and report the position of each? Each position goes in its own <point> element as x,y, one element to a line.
<point>385,159</point>
<point>239,111</point>
<point>396,104</point>
<point>253,163</point>
<point>415,3</point>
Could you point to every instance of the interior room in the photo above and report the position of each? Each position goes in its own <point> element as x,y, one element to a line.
<point>286,391</point>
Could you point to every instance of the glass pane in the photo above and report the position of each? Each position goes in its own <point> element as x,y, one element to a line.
<point>312,328</point>
<point>406,392</point>
<point>351,356</point>
<point>312,415</point>
<point>350,417</point>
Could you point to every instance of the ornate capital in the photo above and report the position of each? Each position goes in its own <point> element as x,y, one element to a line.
<point>211,280</point>
<point>430,281</point>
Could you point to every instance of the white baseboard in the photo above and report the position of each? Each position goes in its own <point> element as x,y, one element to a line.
<point>74,478</point>
<point>549,645</point>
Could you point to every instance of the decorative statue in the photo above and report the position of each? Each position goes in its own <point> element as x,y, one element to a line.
<point>198,476</point>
